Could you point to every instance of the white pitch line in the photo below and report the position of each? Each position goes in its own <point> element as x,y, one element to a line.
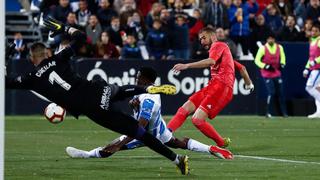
<point>236,156</point>
<point>279,160</point>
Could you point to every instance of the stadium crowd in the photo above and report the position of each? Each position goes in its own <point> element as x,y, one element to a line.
<point>167,29</point>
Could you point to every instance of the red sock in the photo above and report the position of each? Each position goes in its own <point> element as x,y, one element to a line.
<point>178,119</point>
<point>208,130</point>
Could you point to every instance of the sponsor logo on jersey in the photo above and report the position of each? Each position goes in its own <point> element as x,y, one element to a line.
<point>105,98</point>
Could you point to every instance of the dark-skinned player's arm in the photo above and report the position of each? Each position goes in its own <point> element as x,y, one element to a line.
<point>118,143</point>
<point>78,37</point>
<point>245,75</point>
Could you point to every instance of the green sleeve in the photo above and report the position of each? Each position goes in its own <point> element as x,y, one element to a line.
<point>258,59</point>
<point>282,56</point>
<point>307,65</point>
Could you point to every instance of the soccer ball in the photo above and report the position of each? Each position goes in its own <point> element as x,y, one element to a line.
<point>54,113</point>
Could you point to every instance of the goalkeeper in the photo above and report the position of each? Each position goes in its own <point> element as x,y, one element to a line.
<point>53,78</point>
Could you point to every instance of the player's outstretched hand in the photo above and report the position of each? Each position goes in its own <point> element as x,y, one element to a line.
<point>55,26</point>
<point>249,87</point>
<point>179,67</point>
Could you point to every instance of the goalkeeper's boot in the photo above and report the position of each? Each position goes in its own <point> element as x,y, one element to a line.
<point>162,89</point>
<point>77,153</point>
<point>220,152</point>
<point>226,142</point>
<point>183,165</point>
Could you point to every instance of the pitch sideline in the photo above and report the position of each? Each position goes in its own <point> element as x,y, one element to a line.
<point>237,156</point>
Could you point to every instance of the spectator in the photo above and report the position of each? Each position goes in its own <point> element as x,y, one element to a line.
<point>239,19</point>
<point>83,13</point>
<point>260,32</point>
<point>180,39</point>
<point>125,5</point>
<point>61,11</point>
<point>45,6</point>
<point>313,11</point>
<point>165,19</point>
<point>194,30</point>
<point>157,41</point>
<point>105,13</point>
<point>114,32</point>
<point>105,49</point>
<point>227,3</point>
<point>130,50</point>
<point>300,11</point>
<point>144,6</point>
<point>93,29</point>
<point>289,32</point>
<point>21,50</point>
<point>262,5</point>
<point>154,13</point>
<point>284,6</point>
<point>222,37</point>
<point>136,26</point>
<point>72,21</point>
<point>178,10</point>
<point>216,14</point>
<point>306,30</point>
<point>273,19</point>
<point>271,60</point>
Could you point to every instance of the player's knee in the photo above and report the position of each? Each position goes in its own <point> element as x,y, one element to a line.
<point>189,107</point>
<point>197,121</point>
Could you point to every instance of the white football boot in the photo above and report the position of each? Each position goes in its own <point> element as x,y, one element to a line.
<point>77,153</point>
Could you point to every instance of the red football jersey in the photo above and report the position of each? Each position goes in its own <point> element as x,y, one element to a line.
<point>223,70</point>
<point>238,66</point>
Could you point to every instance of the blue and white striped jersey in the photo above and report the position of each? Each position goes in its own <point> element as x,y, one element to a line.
<point>150,109</point>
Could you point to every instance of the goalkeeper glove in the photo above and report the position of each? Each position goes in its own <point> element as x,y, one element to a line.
<point>249,87</point>
<point>55,26</point>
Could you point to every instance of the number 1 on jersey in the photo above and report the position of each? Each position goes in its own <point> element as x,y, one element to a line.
<point>54,77</point>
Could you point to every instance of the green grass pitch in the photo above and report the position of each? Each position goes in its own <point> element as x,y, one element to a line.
<point>35,149</point>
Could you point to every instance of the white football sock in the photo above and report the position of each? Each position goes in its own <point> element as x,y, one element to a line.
<point>94,153</point>
<point>317,105</point>
<point>197,146</point>
<point>176,161</point>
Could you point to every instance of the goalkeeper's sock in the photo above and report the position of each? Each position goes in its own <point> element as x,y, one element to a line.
<point>178,119</point>
<point>156,145</point>
<point>208,130</point>
<point>197,146</point>
<point>95,153</point>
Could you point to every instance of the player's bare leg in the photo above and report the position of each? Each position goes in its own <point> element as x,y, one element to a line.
<point>199,121</point>
<point>181,115</point>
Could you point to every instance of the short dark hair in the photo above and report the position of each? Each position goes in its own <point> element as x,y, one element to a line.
<point>207,30</point>
<point>148,73</point>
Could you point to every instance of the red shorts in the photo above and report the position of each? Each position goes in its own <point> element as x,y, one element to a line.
<point>212,98</point>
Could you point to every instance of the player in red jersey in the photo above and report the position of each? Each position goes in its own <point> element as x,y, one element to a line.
<point>210,100</point>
